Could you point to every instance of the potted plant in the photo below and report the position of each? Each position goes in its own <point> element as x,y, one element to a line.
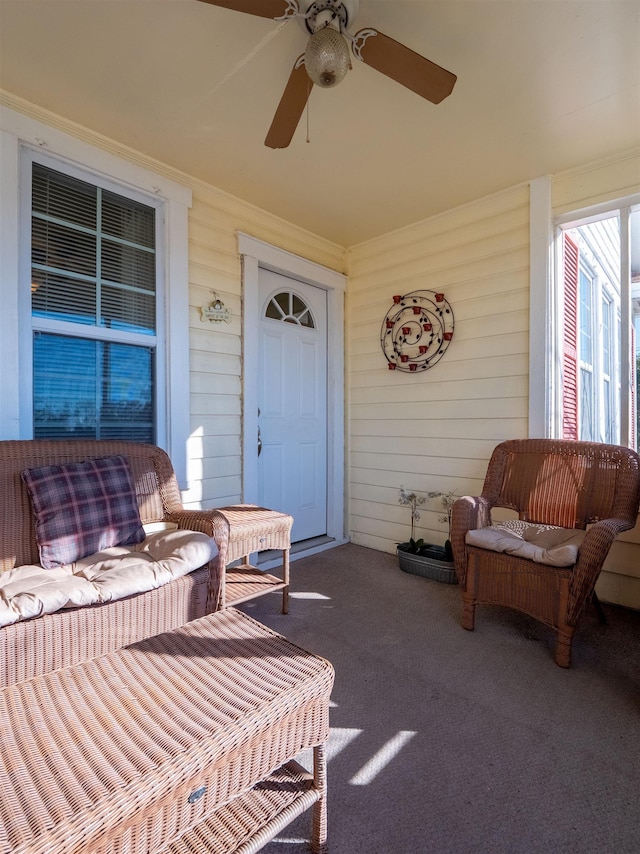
<point>427,559</point>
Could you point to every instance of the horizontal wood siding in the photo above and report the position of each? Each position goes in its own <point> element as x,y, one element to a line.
<point>215,375</point>
<point>435,431</point>
<point>596,183</point>
<point>215,459</point>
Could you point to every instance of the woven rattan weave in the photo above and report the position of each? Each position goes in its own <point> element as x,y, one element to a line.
<point>157,747</point>
<point>254,529</point>
<point>66,637</point>
<point>569,484</point>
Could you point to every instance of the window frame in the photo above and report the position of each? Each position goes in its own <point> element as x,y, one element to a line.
<point>77,330</point>
<point>610,319</point>
<point>546,310</point>
<point>603,307</point>
<point>23,138</point>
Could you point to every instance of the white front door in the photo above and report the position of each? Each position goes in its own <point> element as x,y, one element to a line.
<point>292,402</point>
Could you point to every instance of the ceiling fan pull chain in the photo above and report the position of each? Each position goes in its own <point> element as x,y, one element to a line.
<point>308,99</point>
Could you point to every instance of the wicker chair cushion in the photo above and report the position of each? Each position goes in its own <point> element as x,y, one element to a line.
<point>30,591</point>
<point>539,543</point>
<point>82,508</point>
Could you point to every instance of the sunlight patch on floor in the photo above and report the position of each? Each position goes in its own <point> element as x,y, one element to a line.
<point>374,766</point>
<point>308,595</point>
<point>339,738</point>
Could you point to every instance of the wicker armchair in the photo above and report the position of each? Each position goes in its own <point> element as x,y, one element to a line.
<point>578,485</point>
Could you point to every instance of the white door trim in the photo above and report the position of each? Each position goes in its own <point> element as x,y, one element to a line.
<point>256,253</point>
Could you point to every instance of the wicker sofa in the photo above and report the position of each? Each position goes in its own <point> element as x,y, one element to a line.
<point>31,647</point>
<point>159,722</point>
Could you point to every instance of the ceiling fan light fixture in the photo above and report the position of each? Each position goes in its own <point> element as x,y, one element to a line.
<point>327,57</point>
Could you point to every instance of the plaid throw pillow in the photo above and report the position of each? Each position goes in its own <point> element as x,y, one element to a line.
<point>81,508</point>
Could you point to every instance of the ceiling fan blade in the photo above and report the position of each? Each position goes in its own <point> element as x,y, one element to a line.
<point>403,65</point>
<point>262,8</point>
<point>291,106</point>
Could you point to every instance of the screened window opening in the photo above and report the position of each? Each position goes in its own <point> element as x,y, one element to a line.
<point>290,308</point>
<point>93,264</point>
<point>597,285</point>
<point>585,350</point>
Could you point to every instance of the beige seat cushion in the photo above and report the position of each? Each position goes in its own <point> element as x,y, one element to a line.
<point>30,590</point>
<point>539,543</point>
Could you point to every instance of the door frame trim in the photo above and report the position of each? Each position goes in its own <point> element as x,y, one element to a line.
<point>254,254</point>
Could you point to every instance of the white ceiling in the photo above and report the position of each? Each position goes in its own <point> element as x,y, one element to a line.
<point>543,85</point>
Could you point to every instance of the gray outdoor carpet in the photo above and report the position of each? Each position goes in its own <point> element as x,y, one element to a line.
<point>445,740</point>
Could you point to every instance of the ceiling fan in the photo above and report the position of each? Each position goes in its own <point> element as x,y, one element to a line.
<point>326,59</point>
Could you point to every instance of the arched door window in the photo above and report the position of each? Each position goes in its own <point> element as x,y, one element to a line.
<point>290,308</point>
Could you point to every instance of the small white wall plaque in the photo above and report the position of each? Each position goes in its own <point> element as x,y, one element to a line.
<point>216,312</point>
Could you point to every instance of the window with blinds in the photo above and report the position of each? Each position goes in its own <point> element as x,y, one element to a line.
<point>93,302</point>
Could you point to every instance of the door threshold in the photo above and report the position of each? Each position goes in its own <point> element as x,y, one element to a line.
<point>305,548</point>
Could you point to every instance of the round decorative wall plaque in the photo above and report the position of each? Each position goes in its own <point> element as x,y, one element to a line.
<point>416,331</point>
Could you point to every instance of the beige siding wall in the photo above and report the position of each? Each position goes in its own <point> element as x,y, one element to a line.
<point>215,463</point>
<point>596,183</point>
<point>434,431</point>
<point>215,349</point>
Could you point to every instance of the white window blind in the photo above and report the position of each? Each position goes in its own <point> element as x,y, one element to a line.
<point>93,297</point>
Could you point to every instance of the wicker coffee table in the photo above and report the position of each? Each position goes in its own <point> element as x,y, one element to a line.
<point>184,742</point>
